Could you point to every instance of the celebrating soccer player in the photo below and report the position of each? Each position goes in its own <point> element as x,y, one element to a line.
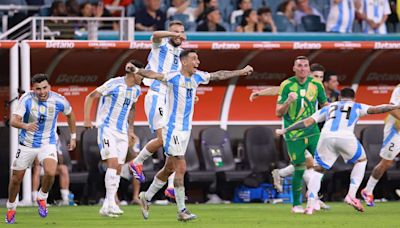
<point>181,90</point>
<point>115,128</point>
<point>36,117</point>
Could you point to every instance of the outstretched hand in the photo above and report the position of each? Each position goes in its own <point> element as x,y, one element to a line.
<point>248,70</point>
<point>253,96</point>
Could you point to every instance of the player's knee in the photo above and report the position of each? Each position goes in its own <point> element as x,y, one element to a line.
<point>17,178</point>
<point>63,169</point>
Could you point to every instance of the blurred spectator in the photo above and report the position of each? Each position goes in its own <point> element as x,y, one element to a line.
<point>243,5</point>
<point>265,20</point>
<point>204,5</point>
<point>249,22</point>
<point>211,23</point>
<point>115,3</point>
<point>374,14</point>
<point>341,16</point>
<point>34,2</point>
<point>183,7</point>
<point>304,9</point>
<point>86,9</point>
<point>151,18</point>
<point>73,8</point>
<point>58,9</point>
<point>287,9</point>
<point>393,18</point>
<point>331,84</point>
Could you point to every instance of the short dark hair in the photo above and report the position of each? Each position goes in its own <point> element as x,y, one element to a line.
<point>186,53</point>
<point>38,78</point>
<point>317,67</point>
<point>175,22</point>
<point>301,57</point>
<point>328,75</point>
<point>347,93</point>
<point>209,10</point>
<point>137,63</point>
<point>263,10</point>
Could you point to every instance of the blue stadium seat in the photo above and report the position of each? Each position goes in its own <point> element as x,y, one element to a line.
<point>312,23</point>
<point>283,24</point>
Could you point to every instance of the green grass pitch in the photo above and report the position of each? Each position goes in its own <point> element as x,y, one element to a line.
<point>228,215</point>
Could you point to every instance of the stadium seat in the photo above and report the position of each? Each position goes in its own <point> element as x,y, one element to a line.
<point>312,23</point>
<point>218,156</point>
<point>260,149</point>
<point>372,138</point>
<point>91,157</point>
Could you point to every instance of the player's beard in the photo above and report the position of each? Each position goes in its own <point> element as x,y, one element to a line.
<point>173,43</point>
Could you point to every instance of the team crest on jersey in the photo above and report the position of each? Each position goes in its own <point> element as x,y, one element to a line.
<point>188,84</point>
<point>42,109</point>
<point>128,93</point>
<point>302,92</point>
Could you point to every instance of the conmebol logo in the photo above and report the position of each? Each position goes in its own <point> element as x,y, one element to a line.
<point>306,45</point>
<point>216,45</point>
<point>60,44</point>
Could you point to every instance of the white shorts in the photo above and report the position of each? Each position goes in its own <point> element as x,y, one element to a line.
<point>154,107</point>
<point>112,144</point>
<point>175,142</point>
<point>308,154</point>
<point>329,149</point>
<point>26,155</point>
<point>391,145</point>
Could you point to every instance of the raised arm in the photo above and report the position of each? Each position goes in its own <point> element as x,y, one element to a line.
<point>271,91</point>
<point>296,126</point>
<point>226,74</point>
<point>159,35</point>
<point>88,107</point>
<point>281,109</point>
<point>72,128</point>
<point>382,108</point>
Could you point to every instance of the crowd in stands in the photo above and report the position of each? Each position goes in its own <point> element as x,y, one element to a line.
<point>338,16</point>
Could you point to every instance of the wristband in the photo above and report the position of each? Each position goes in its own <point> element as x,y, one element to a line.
<point>73,136</point>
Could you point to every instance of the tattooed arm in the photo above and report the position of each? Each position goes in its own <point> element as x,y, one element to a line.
<point>382,108</point>
<point>297,126</point>
<point>144,73</point>
<point>226,74</point>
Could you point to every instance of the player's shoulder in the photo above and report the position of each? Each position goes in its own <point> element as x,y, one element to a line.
<point>173,73</point>
<point>56,96</point>
<point>27,95</point>
<point>286,82</point>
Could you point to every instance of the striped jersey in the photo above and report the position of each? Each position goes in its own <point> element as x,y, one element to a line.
<point>115,104</point>
<point>163,58</point>
<point>341,17</point>
<point>340,117</point>
<point>375,10</point>
<point>390,129</point>
<point>181,92</point>
<point>45,114</point>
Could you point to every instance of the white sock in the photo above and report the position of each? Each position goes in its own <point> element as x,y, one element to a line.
<point>143,155</point>
<point>111,185</point>
<point>287,171</point>
<point>171,180</point>
<point>64,194</point>
<point>356,177</point>
<point>371,184</point>
<point>155,186</point>
<point>314,184</point>
<point>42,195</point>
<point>12,206</point>
<point>34,195</point>
<point>307,175</point>
<point>180,198</point>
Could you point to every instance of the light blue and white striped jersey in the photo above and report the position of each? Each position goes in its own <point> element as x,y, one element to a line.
<point>390,129</point>
<point>115,104</point>
<point>340,117</point>
<point>163,58</point>
<point>375,10</point>
<point>341,17</point>
<point>45,114</point>
<point>181,92</point>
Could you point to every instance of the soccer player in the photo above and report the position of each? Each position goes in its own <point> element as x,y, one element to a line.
<point>337,138</point>
<point>297,100</point>
<point>181,90</point>
<point>163,58</point>
<point>36,117</point>
<point>388,151</point>
<point>115,128</point>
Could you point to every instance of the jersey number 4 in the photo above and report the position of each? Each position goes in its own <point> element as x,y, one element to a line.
<point>333,108</point>
<point>106,142</point>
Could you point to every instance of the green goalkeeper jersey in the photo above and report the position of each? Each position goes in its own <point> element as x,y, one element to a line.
<point>308,94</point>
